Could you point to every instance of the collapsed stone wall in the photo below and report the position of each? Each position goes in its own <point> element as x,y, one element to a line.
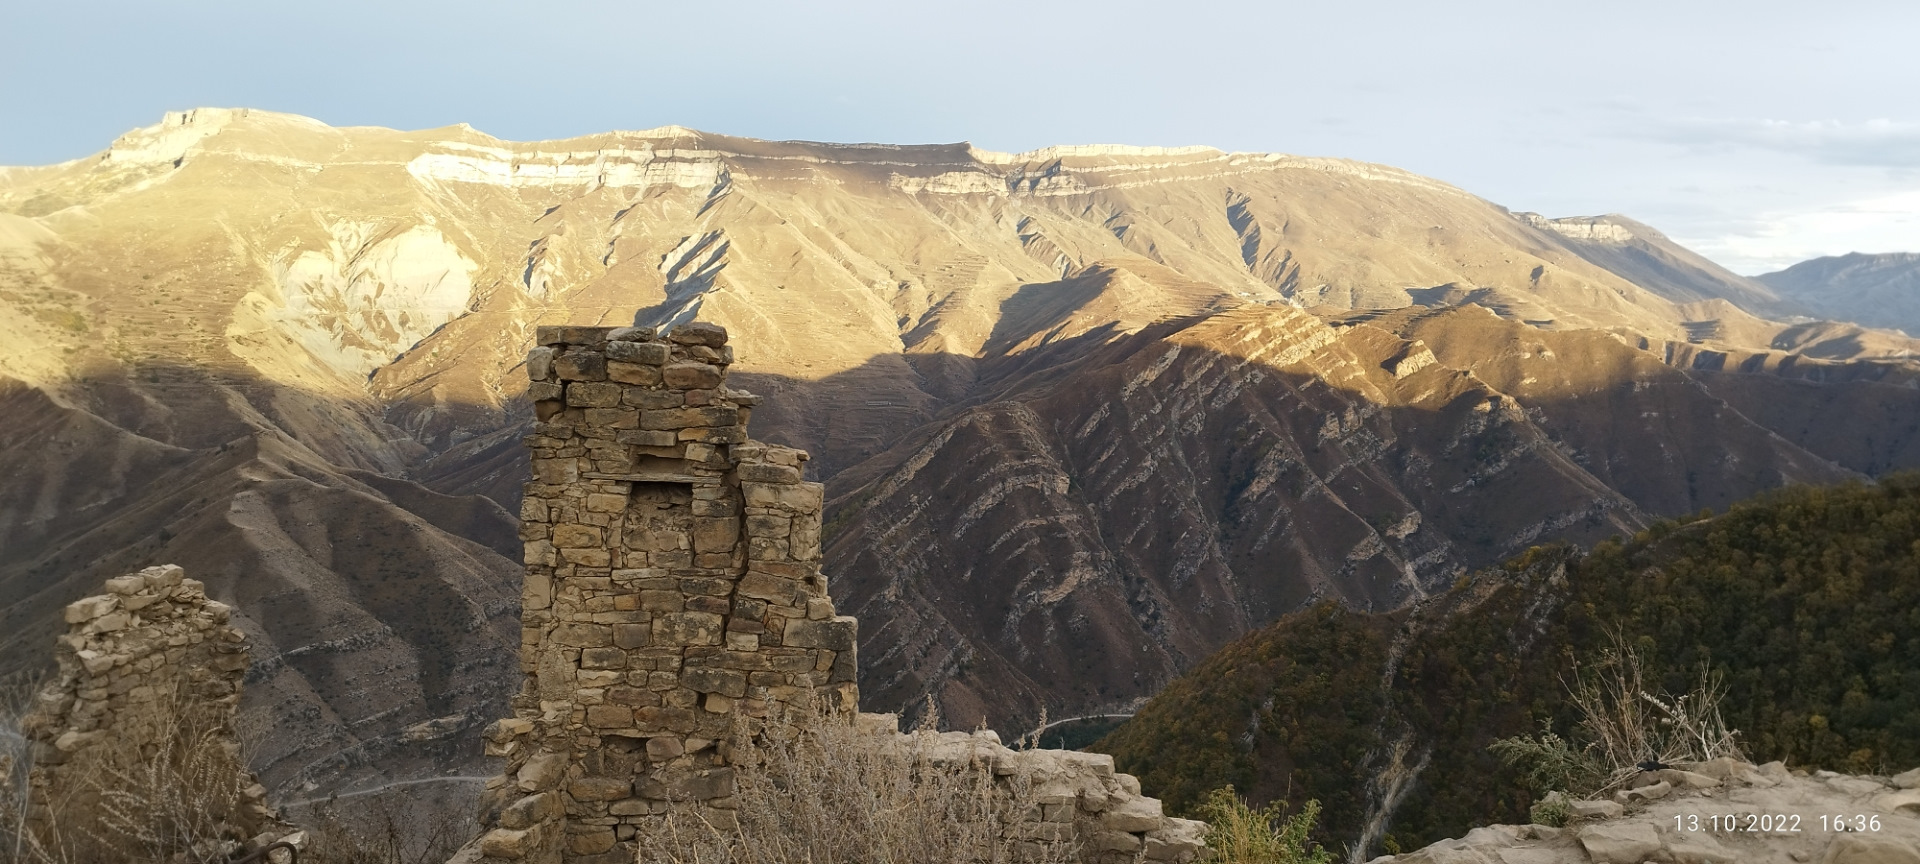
<point>673,598</point>
<point>139,666</point>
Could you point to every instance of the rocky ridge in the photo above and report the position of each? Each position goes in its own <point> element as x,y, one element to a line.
<point>286,356</point>
<point>1718,812</point>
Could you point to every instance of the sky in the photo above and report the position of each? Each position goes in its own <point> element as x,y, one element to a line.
<point>1758,133</point>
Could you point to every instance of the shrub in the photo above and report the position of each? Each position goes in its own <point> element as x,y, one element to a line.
<point>1623,726</point>
<point>1238,833</point>
<point>179,800</point>
<point>825,793</point>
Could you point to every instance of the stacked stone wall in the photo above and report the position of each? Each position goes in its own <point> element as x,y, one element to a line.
<point>151,657</point>
<point>674,601</point>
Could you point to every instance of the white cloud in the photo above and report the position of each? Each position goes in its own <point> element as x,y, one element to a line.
<point>1880,142</point>
<point>1884,223</point>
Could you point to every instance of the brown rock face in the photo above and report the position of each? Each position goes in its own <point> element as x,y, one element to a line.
<point>288,357</point>
<point>1077,542</point>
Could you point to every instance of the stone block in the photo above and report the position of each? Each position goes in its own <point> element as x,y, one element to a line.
<point>545,391</point>
<point>531,810</point>
<point>713,434</point>
<point>647,437</point>
<point>570,536</point>
<point>606,502</point>
<point>687,628</point>
<point>540,363</point>
<point>652,399</point>
<point>665,747</point>
<point>627,636</point>
<point>507,843</point>
<point>686,375</point>
<point>609,717</point>
<point>640,353</point>
<point>835,634</point>
<point>581,365</point>
<point>1619,842</point>
<point>769,527</point>
<point>588,394</point>
<point>90,608</point>
<point>605,658</point>
<point>715,535</point>
<point>795,498</point>
<point>588,557</point>
<point>764,473</point>
<point>126,585</point>
<point>590,839</point>
<point>631,334</point>
<point>699,333</point>
<point>683,418</point>
<point>709,680</point>
<point>1133,814</point>
<point>537,593</point>
<point>668,717</point>
<point>613,418</point>
<point>768,587</point>
<point>634,374</point>
<point>570,335</point>
<point>541,773</point>
<point>582,635</point>
<point>1597,809</point>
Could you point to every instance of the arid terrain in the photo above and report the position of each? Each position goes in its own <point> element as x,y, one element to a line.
<point>1085,414</point>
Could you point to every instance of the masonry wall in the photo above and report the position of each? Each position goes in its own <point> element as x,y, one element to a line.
<point>136,663</point>
<point>674,598</point>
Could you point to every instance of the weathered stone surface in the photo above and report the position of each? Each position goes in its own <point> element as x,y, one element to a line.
<point>685,375</point>
<point>647,618</point>
<point>570,335</point>
<point>836,634</point>
<point>133,663</point>
<point>1859,849</point>
<point>587,394</point>
<point>540,363</point>
<point>1619,844</point>
<point>1678,827</point>
<point>699,333</point>
<point>644,353</point>
<point>581,365</point>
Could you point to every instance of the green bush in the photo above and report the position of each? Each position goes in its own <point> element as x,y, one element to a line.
<point>1238,833</point>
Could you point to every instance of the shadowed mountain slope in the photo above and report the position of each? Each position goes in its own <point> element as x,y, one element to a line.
<point>1079,428</point>
<point>1875,290</point>
<point>1801,598</point>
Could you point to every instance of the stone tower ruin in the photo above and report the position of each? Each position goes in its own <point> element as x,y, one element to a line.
<point>673,582</point>
<point>674,595</point>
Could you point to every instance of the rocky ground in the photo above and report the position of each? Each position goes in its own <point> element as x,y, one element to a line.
<point>1716,812</point>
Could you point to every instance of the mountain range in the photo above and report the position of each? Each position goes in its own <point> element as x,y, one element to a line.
<point>1085,413</point>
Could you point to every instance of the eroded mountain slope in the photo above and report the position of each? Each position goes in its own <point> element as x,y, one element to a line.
<point>298,348</point>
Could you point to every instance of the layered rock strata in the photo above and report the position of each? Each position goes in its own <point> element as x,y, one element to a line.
<point>148,667</point>
<point>674,605</point>
<point>1717,812</point>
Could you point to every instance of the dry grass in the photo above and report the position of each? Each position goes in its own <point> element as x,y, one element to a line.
<point>826,794</point>
<point>179,800</point>
<point>1624,724</point>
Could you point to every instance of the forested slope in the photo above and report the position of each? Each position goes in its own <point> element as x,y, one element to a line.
<point>1807,599</point>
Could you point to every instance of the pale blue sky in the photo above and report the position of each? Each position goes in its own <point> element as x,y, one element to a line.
<point>1759,132</point>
